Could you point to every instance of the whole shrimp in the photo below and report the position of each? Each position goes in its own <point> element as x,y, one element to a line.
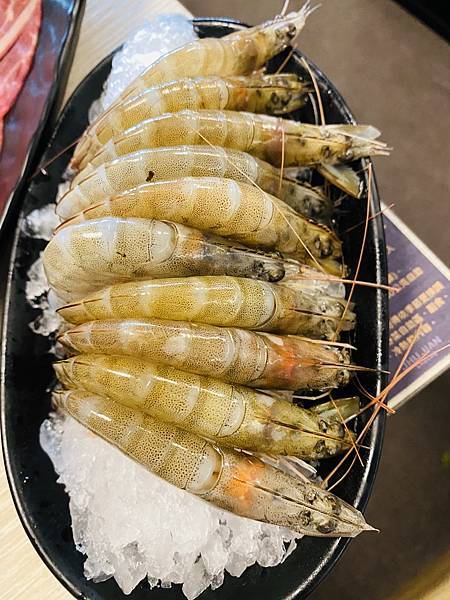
<point>272,139</point>
<point>227,353</point>
<point>223,301</point>
<point>232,415</point>
<point>272,94</point>
<point>231,480</point>
<point>239,53</point>
<point>157,164</point>
<point>88,256</point>
<point>227,208</point>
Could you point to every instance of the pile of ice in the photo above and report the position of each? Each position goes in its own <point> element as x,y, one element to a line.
<point>158,36</point>
<point>133,525</point>
<point>40,224</point>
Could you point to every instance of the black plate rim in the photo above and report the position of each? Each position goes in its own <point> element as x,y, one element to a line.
<point>337,545</point>
<point>62,68</point>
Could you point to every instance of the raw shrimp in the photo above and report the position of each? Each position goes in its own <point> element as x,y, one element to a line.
<point>88,256</point>
<point>233,355</point>
<point>231,480</point>
<point>272,139</point>
<point>232,415</point>
<point>158,164</point>
<point>228,208</point>
<point>239,53</point>
<point>223,301</point>
<point>272,94</point>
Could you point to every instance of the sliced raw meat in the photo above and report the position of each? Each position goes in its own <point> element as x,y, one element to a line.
<point>14,15</point>
<point>14,66</point>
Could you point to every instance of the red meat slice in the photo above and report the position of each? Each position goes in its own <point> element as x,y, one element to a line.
<point>16,63</point>
<point>14,15</point>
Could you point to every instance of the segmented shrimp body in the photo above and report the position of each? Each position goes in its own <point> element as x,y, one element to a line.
<point>228,208</point>
<point>87,256</point>
<point>227,353</point>
<point>272,139</point>
<point>223,301</point>
<point>271,94</point>
<point>232,415</point>
<point>231,480</point>
<point>158,164</point>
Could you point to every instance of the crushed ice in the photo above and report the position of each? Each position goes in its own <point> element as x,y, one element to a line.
<point>41,222</point>
<point>158,36</point>
<point>133,525</point>
<point>129,523</point>
<point>38,294</point>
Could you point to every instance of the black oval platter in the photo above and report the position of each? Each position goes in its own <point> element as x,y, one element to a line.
<point>42,504</point>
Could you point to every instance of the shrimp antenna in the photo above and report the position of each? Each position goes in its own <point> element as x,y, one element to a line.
<point>313,101</point>
<point>331,487</point>
<point>380,212</point>
<point>307,10</point>
<point>354,445</point>
<point>319,397</point>
<point>352,367</point>
<point>286,60</point>
<point>334,344</point>
<point>285,7</point>
<point>41,168</point>
<point>316,89</point>
<point>398,376</point>
<point>382,286</point>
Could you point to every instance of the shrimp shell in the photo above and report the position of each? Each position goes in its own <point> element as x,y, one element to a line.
<point>223,301</point>
<point>158,164</point>
<point>231,480</point>
<point>271,139</point>
<point>88,256</point>
<point>272,94</point>
<point>230,354</point>
<point>224,207</point>
<point>234,416</point>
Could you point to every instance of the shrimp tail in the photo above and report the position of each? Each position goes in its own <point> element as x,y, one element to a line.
<point>343,177</point>
<point>337,410</point>
<point>367,132</point>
